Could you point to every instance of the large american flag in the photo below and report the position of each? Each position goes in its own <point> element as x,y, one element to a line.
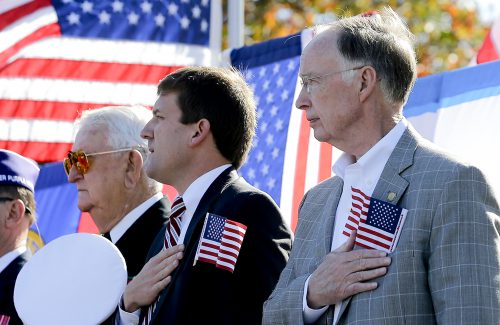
<point>286,159</point>
<point>378,223</point>
<point>60,57</point>
<point>220,242</point>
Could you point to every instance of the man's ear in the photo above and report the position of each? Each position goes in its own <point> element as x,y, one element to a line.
<point>200,131</point>
<point>15,214</point>
<point>368,82</point>
<point>133,169</point>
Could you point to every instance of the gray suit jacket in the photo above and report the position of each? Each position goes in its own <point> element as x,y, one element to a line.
<point>446,266</point>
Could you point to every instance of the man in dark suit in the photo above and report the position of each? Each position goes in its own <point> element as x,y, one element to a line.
<point>202,127</point>
<point>106,165</point>
<point>17,213</point>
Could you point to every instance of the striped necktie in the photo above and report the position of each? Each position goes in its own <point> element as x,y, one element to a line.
<point>172,233</point>
<point>173,230</point>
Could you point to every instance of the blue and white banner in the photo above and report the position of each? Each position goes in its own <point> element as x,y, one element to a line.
<point>460,111</point>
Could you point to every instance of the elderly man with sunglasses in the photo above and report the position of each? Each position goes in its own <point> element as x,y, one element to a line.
<point>17,213</point>
<point>106,165</point>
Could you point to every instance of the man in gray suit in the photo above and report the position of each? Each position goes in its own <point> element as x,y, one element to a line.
<point>356,76</point>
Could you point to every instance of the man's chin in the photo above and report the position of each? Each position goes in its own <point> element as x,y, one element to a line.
<point>83,207</point>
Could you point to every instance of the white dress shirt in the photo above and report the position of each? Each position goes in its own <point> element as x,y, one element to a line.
<point>191,198</point>
<point>121,227</point>
<point>364,175</point>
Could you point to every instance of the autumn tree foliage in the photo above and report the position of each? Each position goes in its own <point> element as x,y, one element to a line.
<point>448,33</point>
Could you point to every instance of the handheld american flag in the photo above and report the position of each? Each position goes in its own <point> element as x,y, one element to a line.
<point>378,223</point>
<point>60,57</point>
<point>220,242</point>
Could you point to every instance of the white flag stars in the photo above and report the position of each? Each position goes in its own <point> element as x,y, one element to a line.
<point>204,26</point>
<point>275,153</point>
<point>159,20</point>
<point>172,9</point>
<point>87,6</point>
<point>104,18</point>
<point>284,95</point>
<point>260,156</point>
<point>280,81</point>
<point>269,139</point>
<point>117,6</point>
<point>73,18</point>
<point>146,7</point>
<point>251,173</point>
<point>189,20</point>
<point>263,127</point>
<point>133,18</point>
<point>274,110</point>
<point>265,169</point>
<point>271,183</point>
<point>274,104</point>
<point>185,22</point>
<point>196,11</point>
<point>279,125</point>
<point>269,98</point>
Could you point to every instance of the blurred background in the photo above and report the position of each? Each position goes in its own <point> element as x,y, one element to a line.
<point>448,32</point>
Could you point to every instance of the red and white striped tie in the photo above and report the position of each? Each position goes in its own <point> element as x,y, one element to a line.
<point>173,230</point>
<point>172,233</point>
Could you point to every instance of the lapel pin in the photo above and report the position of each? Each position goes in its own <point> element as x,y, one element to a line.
<point>391,196</point>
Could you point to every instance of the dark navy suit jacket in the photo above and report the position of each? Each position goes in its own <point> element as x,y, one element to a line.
<point>7,281</point>
<point>204,294</point>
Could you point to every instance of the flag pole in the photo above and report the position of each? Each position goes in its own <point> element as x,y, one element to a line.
<point>236,23</point>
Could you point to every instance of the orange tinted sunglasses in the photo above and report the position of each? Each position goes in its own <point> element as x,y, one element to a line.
<point>80,160</point>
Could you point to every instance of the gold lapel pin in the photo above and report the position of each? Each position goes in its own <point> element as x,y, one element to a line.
<point>391,196</point>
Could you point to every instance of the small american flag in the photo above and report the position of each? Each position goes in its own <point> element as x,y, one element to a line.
<point>378,223</point>
<point>220,242</point>
<point>4,320</point>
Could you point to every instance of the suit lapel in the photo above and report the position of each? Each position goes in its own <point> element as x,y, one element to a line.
<point>212,193</point>
<point>326,231</point>
<point>391,186</point>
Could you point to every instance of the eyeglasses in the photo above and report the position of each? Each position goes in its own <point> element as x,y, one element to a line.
<point>80,160</point>
<point>8,199</point>
<point>309,83</point>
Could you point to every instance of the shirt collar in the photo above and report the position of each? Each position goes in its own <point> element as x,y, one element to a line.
<point>121,227</point>
<point>197,189</point>
<point>374,159</point>
<point>10,256</point>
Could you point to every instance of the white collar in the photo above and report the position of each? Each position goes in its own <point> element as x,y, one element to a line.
<point>197,189</point>
<point>126,222</point>
<point>378,155</point>
<point>10,256</point>
<point>193,194</point>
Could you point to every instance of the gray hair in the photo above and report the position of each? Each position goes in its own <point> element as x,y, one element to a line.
<point>123,125</point>
<point>384,42</point>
